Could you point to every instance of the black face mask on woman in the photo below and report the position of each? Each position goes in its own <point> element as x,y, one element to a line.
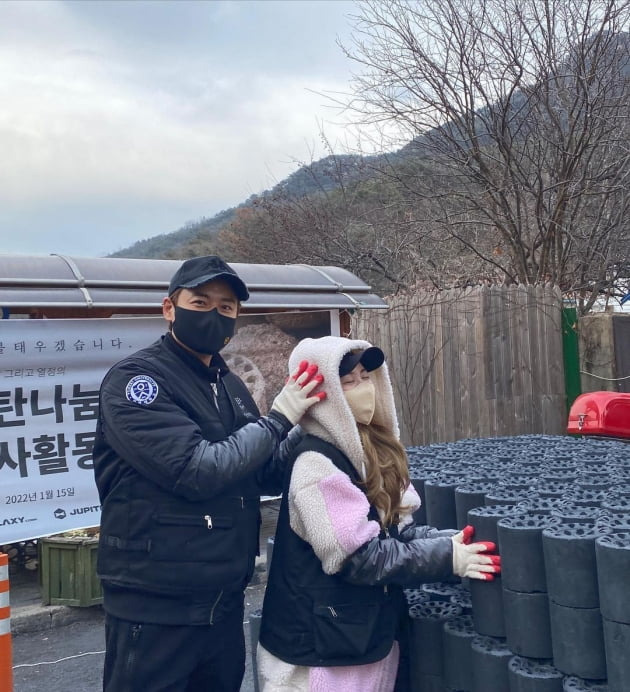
<point>203,331</point>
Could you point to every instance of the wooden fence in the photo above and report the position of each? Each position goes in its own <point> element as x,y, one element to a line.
<point>477,362</point>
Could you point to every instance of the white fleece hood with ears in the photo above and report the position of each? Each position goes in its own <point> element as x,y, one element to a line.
<point>332,419</point>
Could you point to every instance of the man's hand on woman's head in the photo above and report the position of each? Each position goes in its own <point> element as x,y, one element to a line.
<point>296,397</point>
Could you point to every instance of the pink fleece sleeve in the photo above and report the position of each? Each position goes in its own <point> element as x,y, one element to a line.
<point>347,509</point>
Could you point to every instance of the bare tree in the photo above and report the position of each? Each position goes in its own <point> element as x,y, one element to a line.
<point>361,226</point>
<point>522,108</point>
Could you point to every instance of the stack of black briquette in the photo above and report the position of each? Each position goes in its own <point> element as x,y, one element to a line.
<point>558,617</point>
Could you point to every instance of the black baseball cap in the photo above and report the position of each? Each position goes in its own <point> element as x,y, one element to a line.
<point>199,270</point>
<point>370,358</point>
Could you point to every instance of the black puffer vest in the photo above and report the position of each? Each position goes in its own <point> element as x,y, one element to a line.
<point>311,618</point>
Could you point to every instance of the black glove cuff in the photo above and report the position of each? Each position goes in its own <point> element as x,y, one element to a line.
<point>283,421</point>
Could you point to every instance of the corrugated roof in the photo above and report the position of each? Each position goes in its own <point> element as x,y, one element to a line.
<point>60,281</point>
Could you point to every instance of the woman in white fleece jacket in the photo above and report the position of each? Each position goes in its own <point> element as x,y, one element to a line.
<point>345,544</point>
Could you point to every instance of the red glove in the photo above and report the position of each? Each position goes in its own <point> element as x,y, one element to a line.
<point>295,398</point>
<point>474,560</point>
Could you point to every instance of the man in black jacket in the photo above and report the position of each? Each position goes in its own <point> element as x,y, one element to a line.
<point>180,459</point>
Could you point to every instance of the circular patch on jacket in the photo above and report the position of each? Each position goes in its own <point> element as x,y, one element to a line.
<point>142,389</point>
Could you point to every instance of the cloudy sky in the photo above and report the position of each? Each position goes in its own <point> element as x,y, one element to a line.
<point>124,119</point>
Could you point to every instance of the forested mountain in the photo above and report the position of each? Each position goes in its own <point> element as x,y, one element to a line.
<point>521,178</point>
<point>325,174</point>
<point>163,246</point>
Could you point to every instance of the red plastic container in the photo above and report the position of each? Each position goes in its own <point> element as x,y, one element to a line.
<point>600,413</point>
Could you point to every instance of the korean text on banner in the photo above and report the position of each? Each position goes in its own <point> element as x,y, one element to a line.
<point>50,374</point>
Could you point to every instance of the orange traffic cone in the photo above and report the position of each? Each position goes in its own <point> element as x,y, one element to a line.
<point>6,670</point>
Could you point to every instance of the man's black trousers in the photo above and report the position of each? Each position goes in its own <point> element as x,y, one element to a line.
<point>143,657</point>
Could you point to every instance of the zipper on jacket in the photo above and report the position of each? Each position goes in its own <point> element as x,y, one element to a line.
<point>333,612</point>
<point>131,657</point>
<point>208,521</point>
<point>215,393</point>
<point>214,605</point>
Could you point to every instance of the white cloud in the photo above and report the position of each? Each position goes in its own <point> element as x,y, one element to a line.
<point>174,107</point>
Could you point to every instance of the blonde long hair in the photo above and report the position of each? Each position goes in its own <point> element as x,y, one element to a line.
<point>387,473</point>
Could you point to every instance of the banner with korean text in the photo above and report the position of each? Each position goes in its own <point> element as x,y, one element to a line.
<point>50,373</point>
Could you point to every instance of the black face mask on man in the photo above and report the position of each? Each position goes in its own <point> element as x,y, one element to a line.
<point>203,331</point>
